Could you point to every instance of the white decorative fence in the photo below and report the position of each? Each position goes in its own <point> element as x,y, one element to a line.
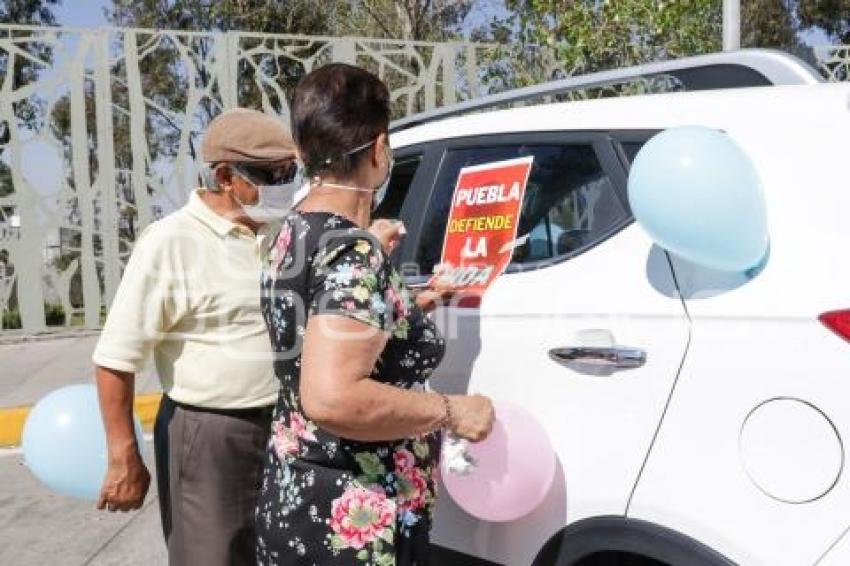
<point>99,131</point>
<point>834,62</point>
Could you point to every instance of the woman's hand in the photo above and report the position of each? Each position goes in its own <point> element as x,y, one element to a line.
<point>429,298</point>
<point>388,232</point>
<point>472,416</point>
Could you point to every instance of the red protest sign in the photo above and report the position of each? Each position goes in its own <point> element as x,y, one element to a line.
<point>482,223</point>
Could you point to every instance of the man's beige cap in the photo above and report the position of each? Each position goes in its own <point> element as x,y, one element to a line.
<point>242,135</point>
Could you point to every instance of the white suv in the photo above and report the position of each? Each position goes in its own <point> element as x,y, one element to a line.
<point>697,416</point>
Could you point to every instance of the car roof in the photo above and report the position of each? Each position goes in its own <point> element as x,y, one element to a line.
<point>657,111</point>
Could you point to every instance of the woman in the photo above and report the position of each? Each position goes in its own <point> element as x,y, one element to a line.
<point>355,437</point>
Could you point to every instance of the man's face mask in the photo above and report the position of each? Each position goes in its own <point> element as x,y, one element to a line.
<point>276,188</point>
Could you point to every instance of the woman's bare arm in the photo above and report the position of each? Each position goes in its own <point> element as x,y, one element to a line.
<point>338,394</point>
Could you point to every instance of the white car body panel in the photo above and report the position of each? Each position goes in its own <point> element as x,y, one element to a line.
<point>839,554</point>
<point>751,340</point>
<point>600,426</point>
<point>762,340</point>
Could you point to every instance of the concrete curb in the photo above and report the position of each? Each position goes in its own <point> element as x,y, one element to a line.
<point>11,337</point>
<point>12,419</point>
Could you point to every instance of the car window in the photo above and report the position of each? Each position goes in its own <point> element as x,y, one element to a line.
<point>570,203</point>
<point>402,175</point>
<point>631,149</point>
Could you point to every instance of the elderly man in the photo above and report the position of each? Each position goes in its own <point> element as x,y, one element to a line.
<point>190,296</point>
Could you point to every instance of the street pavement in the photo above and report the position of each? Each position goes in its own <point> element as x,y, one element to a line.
<point>31,368</point>
<point>38,527</point>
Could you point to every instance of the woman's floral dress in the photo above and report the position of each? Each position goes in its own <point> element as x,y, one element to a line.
<point>325,499</point>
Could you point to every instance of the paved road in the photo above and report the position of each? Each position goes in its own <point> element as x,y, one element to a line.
<point>38,527</point>
<point>31,369</point>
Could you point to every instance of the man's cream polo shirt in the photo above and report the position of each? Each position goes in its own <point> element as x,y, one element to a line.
<point>191,294</point>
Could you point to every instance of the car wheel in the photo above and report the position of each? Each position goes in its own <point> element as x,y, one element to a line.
<point>611,558</point>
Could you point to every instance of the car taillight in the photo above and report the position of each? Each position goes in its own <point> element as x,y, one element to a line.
<point>838,322</point>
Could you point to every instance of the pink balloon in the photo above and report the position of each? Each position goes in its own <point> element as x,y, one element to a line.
<point>516,467</point>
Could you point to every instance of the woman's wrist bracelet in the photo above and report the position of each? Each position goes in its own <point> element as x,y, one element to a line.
<point>448,418</point>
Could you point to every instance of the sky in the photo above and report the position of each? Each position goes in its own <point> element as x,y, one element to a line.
<point>82,13</point>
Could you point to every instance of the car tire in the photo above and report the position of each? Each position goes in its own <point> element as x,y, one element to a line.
<point>618,541</point>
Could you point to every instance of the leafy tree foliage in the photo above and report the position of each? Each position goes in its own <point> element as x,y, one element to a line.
<point>832,16</point>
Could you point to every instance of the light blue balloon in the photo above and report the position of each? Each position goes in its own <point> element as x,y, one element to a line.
<point>64,442</point>
<point>698,195</point>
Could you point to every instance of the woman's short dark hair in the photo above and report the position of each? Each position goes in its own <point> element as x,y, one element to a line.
<point>335,109</point>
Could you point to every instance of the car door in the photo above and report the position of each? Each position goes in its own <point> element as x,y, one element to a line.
<point>585,330</point>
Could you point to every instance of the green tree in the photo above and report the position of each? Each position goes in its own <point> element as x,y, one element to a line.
<point>404,20</point>
<point>588,36</point>
<point>421,20</point>
<point>397,19</point>
<point>30,12</point>
<point>266,16</point>
<point>20,71</point>
<point>24,71</point>
<point>768,23</point>
<point>832,16</point>
<point>549,39</point>
<point>556,37</point>
<point>165,76</point>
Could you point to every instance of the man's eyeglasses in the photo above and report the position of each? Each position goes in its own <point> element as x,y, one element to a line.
<point>264,175</point>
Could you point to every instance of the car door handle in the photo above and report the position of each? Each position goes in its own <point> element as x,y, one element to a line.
<point>611,358</point>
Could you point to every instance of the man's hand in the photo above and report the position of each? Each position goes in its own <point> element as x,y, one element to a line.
<point>388,232</point>
<point>126,483</point>
<point>127,480</point>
